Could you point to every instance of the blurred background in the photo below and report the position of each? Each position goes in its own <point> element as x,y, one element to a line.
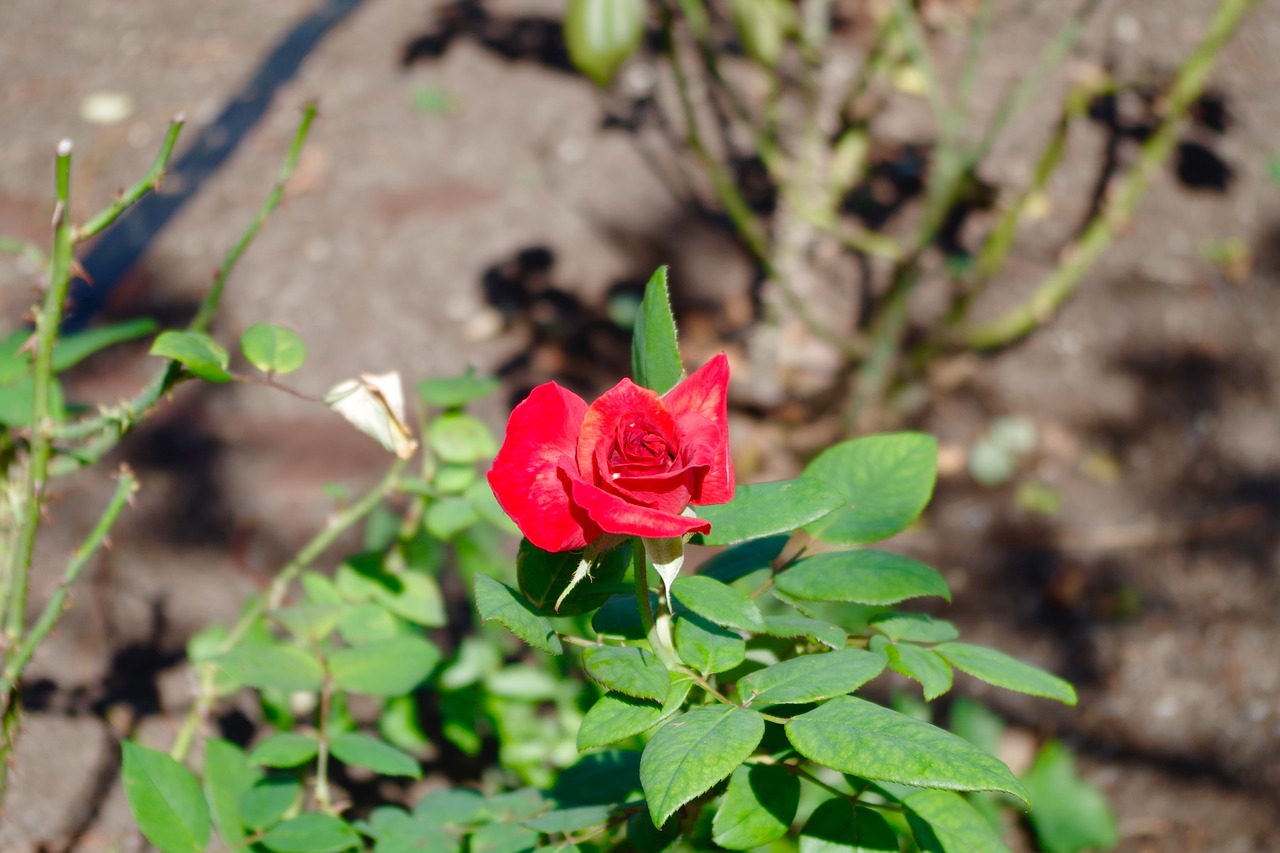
<point>1109,494</point>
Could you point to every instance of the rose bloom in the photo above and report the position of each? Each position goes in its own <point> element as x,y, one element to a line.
<point>629,464</point>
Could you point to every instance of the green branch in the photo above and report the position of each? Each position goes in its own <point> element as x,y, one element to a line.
<point>150,181</point>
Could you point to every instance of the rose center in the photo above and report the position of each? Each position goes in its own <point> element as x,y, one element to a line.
<point>639,446</point>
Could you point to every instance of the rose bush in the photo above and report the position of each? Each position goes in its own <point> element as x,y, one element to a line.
<point>629,464</point>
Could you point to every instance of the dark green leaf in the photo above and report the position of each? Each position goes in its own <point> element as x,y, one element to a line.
<point>619,616</point>
<point>570,820</point>
<point>922,665</point>
<point>706,646</point>
<point>693,752</point>
<point>865,577</point>
<point>311,832</point>
<point>262,665</point>
<point>228,775</point>
<point>268,799</point>
<point>718,603</point>
<point>602,778</point>
<point>829,635</point>
<point>1001,670</point>
<point>741,560</point>
<point>165,799</point>
<point>915,627</point>
<point>450,807</point>
<point>455,391</point>
<point>200,354</point>
<point>835,827</point>
<point>644,837</point>
<point>943,822</point>
<point>286,749</point>
<point>655,357</point>
<point>811,678</point>
<point>976,723</point>
<point>628,670</point>
<point>765,509</point>
<point>373,754</point>
<point>1068,814</point>
<point>758,806</point>
<point>854,736</point>
<point>886,481</point>
<point>616,716</point>
<point>70,350</point>
<point>273,349</point>
<point>390,667</point>
<point>496,600</point>
<point>461,438</point>
<point>543,577</point>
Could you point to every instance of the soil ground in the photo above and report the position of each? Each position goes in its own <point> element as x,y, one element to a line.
<point>457,162</point>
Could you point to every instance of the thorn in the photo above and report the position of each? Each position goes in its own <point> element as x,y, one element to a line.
<point>57,215</point>
<point>78,270</point>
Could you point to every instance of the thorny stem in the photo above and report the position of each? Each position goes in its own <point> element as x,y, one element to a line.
<point>150,181</point>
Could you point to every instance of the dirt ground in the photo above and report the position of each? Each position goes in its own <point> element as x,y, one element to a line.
<point>457,166</point>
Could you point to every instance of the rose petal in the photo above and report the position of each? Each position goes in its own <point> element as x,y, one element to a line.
<point>542,434</point>
<point>600,424</point>
<point>706,393</point>
<point>615,515</point>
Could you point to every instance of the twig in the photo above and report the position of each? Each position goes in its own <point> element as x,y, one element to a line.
<point>1120,205</point>
<point>150,181</point>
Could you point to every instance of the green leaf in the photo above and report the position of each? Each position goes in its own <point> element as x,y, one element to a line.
<point>496,600</point>
<point>367,623</point>
<point>1067,813</point>
<point>706,646</point>
<point>200,354</point>
<point>456,391</point>
<point>543,577</point>
<point>311,832</point>
<point>693,752</point>
<point>915,627</point>
<point>569,820</point>
<point>855,736</point>
<point>718,603</point>
<point>836,827</point>
<point>271,665</point>
<point>17,402</point>
<point>616,716</point>
<point>449,807</point>
<point>763,26</point>
<point>655,357</point>
<point>503,838</point>
<point>74,348</point>
<point>286,749</point>
<point>832,636</point>
<point>619,616</point>
<point>273,349</point>
<point>922,665</point>
<point>765,509</point>
<point>165,799</point>
<point>811,678</point>
<point>268,799</point>
<point>758,806</point>
<point>737,562</point>
<point>461,438</point>
<point>228,775</point>
<point>373,754</point>
<point>603,778</point>
<point>311,622</point>
<point>391,667</point>
<point>943,822</point>
<point>976,723</point>
<point>399,832</point>
<point>628,670</point>
<point>446,517</point>
<point>1001,670</point>
<point>886,481</point>
<point>864,577</point>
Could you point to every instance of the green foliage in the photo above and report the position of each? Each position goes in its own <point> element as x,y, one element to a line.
<point>1068,814</point>
<point>165,799</point>
<point>495,600</point>
<point>273,349</point>
<point>764,509</point>
<point>811,678</point>
<point>864,577</point>
<point>602,34</point>
<point>200,354</point>
<point>886,481</point>
<point>655,359</point>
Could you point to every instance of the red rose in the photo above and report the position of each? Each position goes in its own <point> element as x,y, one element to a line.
<point>628,464</point>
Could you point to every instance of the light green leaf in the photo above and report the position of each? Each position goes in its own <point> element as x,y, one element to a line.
<point>718,603</point>
<point>886,481</point>
<point>461,438</point>
<point>503,838</point>
<point>763,26</point>
<point>165,799</point>
<point>449,807</point>
<point>616,716</point>
<point>456,391</point>
<point>693,752</point>
<point>272,665</point>
<point>854,736</point>
<point>311,832</point>
<point>976,723</point>
<point>364,751</point>
<point>758,806</point>
<point>273,349</point>
<point>811,678</point>
<point>628,670</point>
<point>496,600</point>
<point>835,827</point>
<point>70,350</point>
<point>391,667</point>
<point>268,799</point>
<point>916,627</point>
<point>310,622</point>
<point>655,357</point>
<point>864,577</point>
<point>200,354</point>
<point>706,646</point>
<point>448,516</point>
<point>832,636</point>
<point>922,665</point>
<point>228,775</point>
<point>569,820</point>
<point>765,509</point>
<point>286,749</point>
<point>943,822</point>
<point>1068,814</point>
<point>737,562</point>
<point>1001,670</point>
